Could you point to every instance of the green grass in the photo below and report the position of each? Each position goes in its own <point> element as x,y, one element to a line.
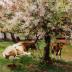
<point>67,53</point>
<point>3,45</point>
<point>33,64</point>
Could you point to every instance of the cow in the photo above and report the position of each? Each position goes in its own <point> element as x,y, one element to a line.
<point>57,49</point>
<point>15,50</point>
<point>57,46</point>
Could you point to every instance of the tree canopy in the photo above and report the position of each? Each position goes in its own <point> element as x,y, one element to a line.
<point>30,15</point>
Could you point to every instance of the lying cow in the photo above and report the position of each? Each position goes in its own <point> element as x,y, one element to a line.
<point>15,50</point>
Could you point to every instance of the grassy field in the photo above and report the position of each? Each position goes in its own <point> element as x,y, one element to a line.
<point>33,64</point>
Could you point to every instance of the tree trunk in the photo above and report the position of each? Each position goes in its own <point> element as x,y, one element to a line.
<point>13,37</point>
<point>47,53</point>
<point>5,37</point>
<point>47,57</point>
<point>47,38</point>
<point>17,39</point>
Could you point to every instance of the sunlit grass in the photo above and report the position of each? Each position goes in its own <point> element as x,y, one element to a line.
<point>67,53</point>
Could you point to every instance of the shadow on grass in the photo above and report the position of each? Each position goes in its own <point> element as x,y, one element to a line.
<point>57,66</point>
<point>63,62</point>
<point>28,64</point>
<point>23,64</point>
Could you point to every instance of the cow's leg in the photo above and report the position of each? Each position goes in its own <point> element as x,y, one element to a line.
<point>60,52</point>
<point>7,56</point>
<point>52,51</point>
<point>57,54</point>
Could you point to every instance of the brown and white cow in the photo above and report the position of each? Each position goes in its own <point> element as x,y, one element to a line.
<point>15,50</point>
